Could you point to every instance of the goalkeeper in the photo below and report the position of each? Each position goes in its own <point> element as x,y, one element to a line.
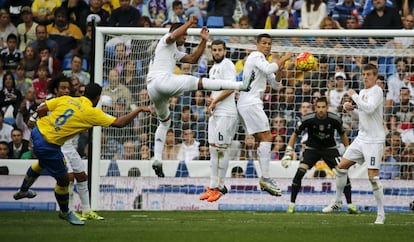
<point>320,126</point>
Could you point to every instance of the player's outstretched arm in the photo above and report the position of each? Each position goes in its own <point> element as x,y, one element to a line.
<point>127,118</point>
<point>193,57</point>
<point>182,30</point>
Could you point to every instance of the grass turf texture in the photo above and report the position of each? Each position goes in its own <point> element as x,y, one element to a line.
<point>203,226</point>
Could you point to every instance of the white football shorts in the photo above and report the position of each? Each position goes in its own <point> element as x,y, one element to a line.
<point>253,118</point>
<point>221,130</point>
<point>361,152</point>
<point>162,88</point>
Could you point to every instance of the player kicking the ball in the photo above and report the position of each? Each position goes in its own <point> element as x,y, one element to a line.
<point>368,146</point>
<point>222,124</point>
<point>257,72</point>
<point>320,127</point>
<point>162,83</point>
<point>60,119</point>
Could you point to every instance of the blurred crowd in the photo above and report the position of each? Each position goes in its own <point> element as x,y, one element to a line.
<point>41,39</point>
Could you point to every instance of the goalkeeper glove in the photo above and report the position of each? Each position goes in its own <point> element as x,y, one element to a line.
<point>287,158</point>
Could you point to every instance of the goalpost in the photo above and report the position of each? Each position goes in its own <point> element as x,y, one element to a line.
<point>337,50</point>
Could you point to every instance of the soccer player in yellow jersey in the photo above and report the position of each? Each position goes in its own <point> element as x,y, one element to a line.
<point>62,118</point>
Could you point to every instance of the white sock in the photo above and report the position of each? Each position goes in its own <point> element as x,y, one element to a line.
<point>70,201</point>
<point>263,152</point>
<point>341,177</point>
<point>214,179</point>
<point>223,165</point>
<point>160,135</point>
<point>83,192</point>
<point>217,84</point>
<point>378,190</point>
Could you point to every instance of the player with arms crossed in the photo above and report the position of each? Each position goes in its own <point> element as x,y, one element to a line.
<point>368,146</point>
<point>162,83</point>
<point>257,72</point>
<point>222,124</point>
<point>320,144</point>
<point>60,119</point>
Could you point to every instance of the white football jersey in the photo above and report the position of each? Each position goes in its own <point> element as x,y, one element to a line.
<point>259,70</point>
<point>224,70</point>
<point>163,63</point>
<point>370,104</point>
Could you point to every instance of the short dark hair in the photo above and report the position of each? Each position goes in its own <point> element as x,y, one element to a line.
<point>61,10</point>
<point>92,91</point>
<point>261,36</point>
<point>4,143</point>
<point>370,67</point>
<point>175,26</point>
<point>54,83</point>
<point>176,3</point>
<point>11,37</point>
<point>17,129</point>
<point>322,99</point>
<point>219,42</point>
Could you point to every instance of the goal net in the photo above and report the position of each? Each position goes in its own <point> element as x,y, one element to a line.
<point>122,177</point>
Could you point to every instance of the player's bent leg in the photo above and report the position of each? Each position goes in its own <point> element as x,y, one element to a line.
<point>32,174</point>
<point>217,84</point>
<point>297,183</point>
<point>341,177</point>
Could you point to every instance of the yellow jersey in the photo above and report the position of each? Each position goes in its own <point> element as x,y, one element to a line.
<point>69,116</point>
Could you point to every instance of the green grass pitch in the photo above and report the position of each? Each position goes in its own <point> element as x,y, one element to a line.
<point>200,226</point>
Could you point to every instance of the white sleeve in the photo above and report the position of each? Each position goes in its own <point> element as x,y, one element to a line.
<point>271,79</point>
<point>371,104</point>
<point>263,65</point>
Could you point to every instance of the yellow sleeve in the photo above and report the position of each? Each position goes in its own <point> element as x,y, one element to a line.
<point>52,103</point>
<point>98,118</point>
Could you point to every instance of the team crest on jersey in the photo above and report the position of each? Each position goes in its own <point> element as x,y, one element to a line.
<point>364,97</point>
<point>321,127</point>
